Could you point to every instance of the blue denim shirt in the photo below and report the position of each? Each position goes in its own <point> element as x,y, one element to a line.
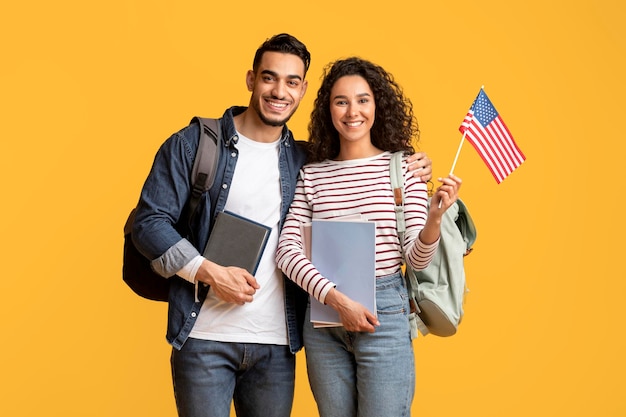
<point>162,202</point>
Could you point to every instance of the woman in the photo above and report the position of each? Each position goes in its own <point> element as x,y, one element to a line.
<point>360,117</point>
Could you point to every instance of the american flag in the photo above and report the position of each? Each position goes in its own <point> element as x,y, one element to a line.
<point>486,131</point>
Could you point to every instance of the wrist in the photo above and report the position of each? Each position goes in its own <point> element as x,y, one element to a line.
<point>333,298</point>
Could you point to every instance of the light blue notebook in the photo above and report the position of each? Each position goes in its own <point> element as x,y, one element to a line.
<point>345,253</point>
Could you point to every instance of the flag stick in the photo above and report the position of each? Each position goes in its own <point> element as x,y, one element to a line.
<point>482,87</point>
<point>458,151</point>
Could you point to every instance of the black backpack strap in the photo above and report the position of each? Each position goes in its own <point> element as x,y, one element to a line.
<point>205,163</point>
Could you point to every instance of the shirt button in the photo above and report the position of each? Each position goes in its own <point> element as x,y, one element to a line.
<point>233,154</point>
<point>193,314</point>
<point>224,186</point>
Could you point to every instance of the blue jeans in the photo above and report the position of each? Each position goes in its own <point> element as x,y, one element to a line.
<point>365,374</point>
<point>258,378</point>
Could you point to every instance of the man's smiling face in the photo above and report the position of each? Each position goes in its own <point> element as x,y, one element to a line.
<point>277,87</point>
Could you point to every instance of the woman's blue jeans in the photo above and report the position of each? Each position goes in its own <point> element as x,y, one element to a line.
<point>257,378</point>
<point>365,374</point>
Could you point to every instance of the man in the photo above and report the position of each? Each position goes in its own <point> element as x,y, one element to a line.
<point>234,335</point>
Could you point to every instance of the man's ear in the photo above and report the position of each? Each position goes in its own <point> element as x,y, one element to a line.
<point>250,80</point>
<point>305,84</point>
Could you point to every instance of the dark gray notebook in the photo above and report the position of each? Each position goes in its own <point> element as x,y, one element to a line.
<point>237,241</point>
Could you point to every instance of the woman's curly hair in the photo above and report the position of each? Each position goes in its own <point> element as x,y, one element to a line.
<point>394,127</point>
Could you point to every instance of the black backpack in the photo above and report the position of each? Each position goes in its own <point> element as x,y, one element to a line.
<point>136,270</point>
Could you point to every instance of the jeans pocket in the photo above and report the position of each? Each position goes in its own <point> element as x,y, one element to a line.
<point>392,300</point>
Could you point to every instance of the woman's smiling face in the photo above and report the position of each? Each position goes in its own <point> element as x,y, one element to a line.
<point>352,108</point>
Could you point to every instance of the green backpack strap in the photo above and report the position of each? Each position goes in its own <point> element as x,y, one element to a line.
<point>397,184</point>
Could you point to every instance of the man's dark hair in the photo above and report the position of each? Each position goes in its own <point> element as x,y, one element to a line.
<point>286,44</point>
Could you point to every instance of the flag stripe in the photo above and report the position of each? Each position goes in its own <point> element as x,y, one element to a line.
<point>477,139</point>
<point>514,150</point>
<point>498,138</point>
<point>495,138</point>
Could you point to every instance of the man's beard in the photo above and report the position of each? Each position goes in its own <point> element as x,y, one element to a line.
<point>269,122</point>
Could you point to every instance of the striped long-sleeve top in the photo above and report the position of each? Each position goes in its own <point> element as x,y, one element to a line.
<point>332,189</point>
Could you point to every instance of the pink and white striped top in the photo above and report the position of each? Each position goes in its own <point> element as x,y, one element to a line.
<point>332,189</point>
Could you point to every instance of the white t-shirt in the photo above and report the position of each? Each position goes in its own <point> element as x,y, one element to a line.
<point>255,193</point>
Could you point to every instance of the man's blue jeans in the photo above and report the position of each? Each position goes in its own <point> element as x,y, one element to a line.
<point>258,378</point>
<point>365,374</point>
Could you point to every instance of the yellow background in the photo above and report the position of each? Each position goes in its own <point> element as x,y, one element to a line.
<point>89,90</point>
